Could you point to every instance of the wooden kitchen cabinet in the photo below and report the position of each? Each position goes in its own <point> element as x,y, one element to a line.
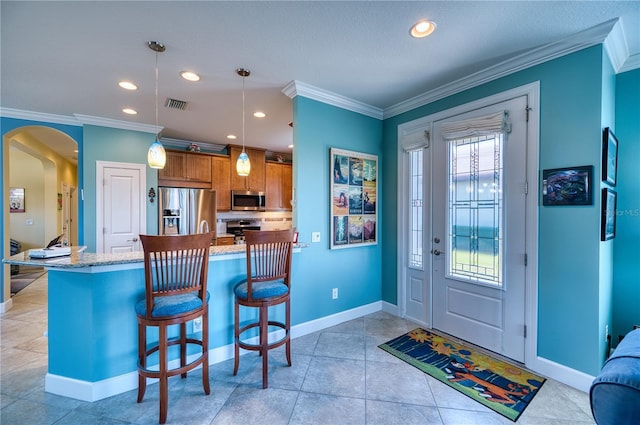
<point>221,181</point>
<point>278,186</point>
<point>184,169</point>
<point>255,181</point>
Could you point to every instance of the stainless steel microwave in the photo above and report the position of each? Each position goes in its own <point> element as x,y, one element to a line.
<point>247,200</point>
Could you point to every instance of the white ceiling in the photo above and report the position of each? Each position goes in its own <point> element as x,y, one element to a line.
<point>65,58</point>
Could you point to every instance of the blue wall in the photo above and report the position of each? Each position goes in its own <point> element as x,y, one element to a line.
<point>571,115</point>
<point>354,271</point>
<point>110,144</point>
<point>626,274</point>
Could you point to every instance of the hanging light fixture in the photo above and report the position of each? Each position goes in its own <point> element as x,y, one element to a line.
<point>156,157</point>
<point>243,166</point>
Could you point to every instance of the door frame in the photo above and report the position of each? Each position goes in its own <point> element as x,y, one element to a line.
<point>411,130</point>
<point>100,167</point>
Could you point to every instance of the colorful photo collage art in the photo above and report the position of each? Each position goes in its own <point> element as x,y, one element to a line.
<point>354,192</point>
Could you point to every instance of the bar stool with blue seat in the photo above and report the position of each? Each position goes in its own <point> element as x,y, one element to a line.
<point>175,270</point>
<point>268,283</point>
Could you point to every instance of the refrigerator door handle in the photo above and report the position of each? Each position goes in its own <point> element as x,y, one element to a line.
<point>204,226</point>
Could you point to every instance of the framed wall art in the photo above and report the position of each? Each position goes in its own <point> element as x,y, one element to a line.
<point>608,215</point>
<point>354,194</point>
<point>568,186</point>
<point>16,200</point>
<point>609,157</point>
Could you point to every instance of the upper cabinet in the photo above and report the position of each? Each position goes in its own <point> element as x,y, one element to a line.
<point>279,183</point>
<point>185,169</point>
<point>255,181</point>
<point>221,181</point>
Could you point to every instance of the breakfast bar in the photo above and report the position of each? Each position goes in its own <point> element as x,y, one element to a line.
<point>92,328</point>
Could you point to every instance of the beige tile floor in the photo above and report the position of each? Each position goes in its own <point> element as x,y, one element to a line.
<point>339,376</point>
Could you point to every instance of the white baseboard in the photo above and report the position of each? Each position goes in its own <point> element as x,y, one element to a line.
<point>94,391</point>
<point>389,308</point>
<point>572,377</point>
<point>6,306</point>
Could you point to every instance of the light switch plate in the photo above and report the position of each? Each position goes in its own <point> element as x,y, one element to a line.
<point>315,236</point>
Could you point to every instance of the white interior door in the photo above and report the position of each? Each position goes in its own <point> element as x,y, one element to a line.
<point>121,207</point>
<point>478,241</point>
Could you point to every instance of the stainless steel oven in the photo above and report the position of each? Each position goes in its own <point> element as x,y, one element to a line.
<point>246,200</point>
<point>237,228</point>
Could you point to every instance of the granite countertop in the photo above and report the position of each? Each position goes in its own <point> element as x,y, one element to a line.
<point>90,259</point>
<point>79,259</point>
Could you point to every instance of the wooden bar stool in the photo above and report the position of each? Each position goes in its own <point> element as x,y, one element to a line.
<point>175,270</point>
<point>268,283</point>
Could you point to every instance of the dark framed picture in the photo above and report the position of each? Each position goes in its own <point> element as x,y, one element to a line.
<point>354,193</point>
<point>608,216</point>
<point>568,186</point>
<point>609,157</point>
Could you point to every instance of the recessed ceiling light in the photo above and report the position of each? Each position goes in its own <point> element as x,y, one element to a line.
<point>127,85</point>
<point>259,114</point>
<point>231,136</point>
<point>129,111</point>
<point>190,76</point>
<point>422,28</point>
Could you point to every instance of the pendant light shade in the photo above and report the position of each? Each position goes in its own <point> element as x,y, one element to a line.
<point>243,165</point>
<point>156,157</point>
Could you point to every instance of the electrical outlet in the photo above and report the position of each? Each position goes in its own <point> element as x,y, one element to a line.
<point>334,294</point>
<point>197,324</point>
<point>315,236</point>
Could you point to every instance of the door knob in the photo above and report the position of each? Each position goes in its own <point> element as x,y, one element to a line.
<point>133,240</point>
<point>435,252</point>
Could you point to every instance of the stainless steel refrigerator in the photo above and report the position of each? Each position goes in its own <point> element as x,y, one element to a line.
<point>186,211</point>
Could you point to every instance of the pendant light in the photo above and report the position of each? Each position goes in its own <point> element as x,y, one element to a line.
<point>156,157</point>
<point>243,166</point>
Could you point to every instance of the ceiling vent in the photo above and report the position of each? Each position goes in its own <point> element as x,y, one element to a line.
<point>175,104</point>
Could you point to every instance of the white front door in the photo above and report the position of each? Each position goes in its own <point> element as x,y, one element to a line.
<point>478,236</point>
<point>416,264</point>
<point>121,207</point>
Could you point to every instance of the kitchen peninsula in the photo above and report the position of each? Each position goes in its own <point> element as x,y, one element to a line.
<point>92,328</point>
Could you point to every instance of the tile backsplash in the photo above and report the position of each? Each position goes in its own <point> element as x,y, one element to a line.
<point>268,220</point>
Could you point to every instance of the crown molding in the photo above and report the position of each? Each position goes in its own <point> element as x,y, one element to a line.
<point>38,116</point>
<point>587,38</point>
<point>615,44</point>
<point>633,62</point>
<point>298,88</point>
<point>123,125</point>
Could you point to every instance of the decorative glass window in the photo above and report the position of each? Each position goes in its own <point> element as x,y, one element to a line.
<point>475,209</point>
<point>416,259</point>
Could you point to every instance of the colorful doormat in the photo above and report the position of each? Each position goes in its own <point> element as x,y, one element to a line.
<point>500,386</point>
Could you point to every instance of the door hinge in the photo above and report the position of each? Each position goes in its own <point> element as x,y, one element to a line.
<point>525,330</point>
<point>526,187</point>
<point>527,109</point>
<point>526,259</point>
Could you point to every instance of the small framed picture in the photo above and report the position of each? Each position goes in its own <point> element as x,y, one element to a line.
<point>16,200</point>
<point>609,157</point>
<point>567,186</point>
<point>608,216</point>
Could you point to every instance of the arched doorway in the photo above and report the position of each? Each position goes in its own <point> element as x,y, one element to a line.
<point>43,161</point>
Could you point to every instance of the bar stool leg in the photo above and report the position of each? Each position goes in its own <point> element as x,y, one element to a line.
<point>264,343</point>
